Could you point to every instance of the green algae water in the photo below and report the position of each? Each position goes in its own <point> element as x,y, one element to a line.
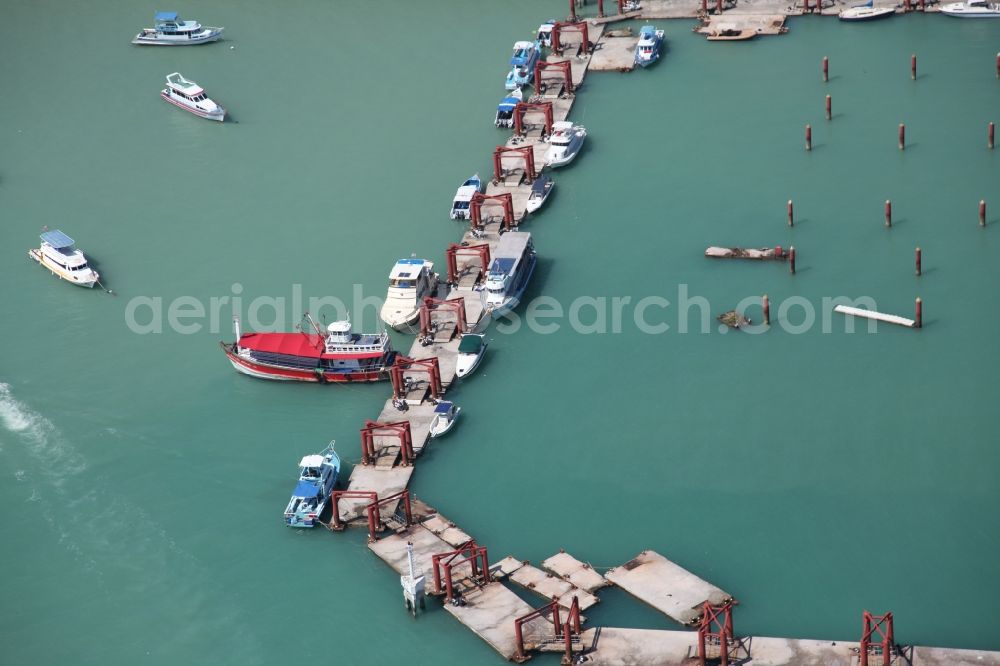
<point>811,473</point>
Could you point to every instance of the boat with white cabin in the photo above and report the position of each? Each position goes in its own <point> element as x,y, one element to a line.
<point>647,50</point>
<point>866,12</point>
<point>58,254</point>
<point>544,36</point>
<point>189,96</point>
<point>445,415</point>
<point>509,273</point>
<point>522,64</point>
<point>317,479</point>
<point>169,30</point>
<point>505,109</point>
<point>463,197</point>
<point>336,355</point>
<point>410,282</point>
<point>471,349</point>
<point>972,9</point>
<point>565,143</point>
<point>540,191</point>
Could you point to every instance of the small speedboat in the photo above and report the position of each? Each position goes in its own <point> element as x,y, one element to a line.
<point>66,262</point>
<point>545,33</point>
<point>471,349</point>
<point>565,143</point>
<point>463,197</point>
<point>972,9</point>
<point>522,64</point>
<point>189,96</point>
<point>540,191</point>
<point>505,109</point>
<point>445,414</point>
<point>866,12</point>
<point>317,478</point>
<point>410,282</point>
<point>169,30</point>
<point>647,50</point>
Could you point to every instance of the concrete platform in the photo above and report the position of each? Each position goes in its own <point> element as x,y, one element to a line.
<point>391,549</point>
<point>762,24</point>
<point>384,481</point>
<point>667,587</point>
<point>548,586</point>
<point>490,613</point>
<point>614,54</point>
<point>611,646</point>
<point>446,530</point>
<point>576,572</point>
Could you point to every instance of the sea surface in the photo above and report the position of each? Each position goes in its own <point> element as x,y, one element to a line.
<point>811,472</point>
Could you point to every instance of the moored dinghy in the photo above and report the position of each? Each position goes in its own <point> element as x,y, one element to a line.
<point>545,33</point>
<point>189,96</point>
<point>65,261</point>
<point>445,415</point>
<point>169,30</point>
<point>471,349</point>
<point>540,191</point>
<point>505,109</point>
<point>463,197</point>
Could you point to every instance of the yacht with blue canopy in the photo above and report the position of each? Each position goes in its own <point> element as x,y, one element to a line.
<point>58,254</point>
<point>317,478</point>
<point>169,30</point>
<point>505,109</point>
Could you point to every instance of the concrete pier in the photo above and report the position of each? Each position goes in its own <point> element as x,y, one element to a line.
<point>667,587</point>
<point>580,574</point>
<point>490,611</point>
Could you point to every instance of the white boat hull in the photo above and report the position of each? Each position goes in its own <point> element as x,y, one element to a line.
<point>87,280</point>
<point>858,14</point>
<point>152,38</point>
<point>466,364</point>
<point>399,320</point>
<point>219,115</point>
<point>440,426</point>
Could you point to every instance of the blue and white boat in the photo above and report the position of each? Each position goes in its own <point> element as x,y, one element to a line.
<point>169,30</point>
<point>866,12</point>
<point>317,478</point>
<point>647,50</point>
<point>463,197</point>
<point>972,9</point>
<point>445,415</point>
<point>505,109</point>
<point>510,271</point>
<point>522,64</point>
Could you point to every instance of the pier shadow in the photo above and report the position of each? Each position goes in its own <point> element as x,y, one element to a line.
<point>804,220</point>
<point>895,223</point>
<point>926,271</point>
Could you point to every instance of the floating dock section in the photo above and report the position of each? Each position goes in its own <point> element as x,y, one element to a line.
<point>548,585</point>
<point>667,587</point>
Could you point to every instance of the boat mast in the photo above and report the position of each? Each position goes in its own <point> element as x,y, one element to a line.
<point>312,322</point>
<point>236,328</point>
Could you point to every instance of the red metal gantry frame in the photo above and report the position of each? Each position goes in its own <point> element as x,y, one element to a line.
<point>400,429</point>
<point>428,365</point>
<point>451,256</point>
<point>716,628</point>
<point>563,66</point>
<point>432,305</point>
<point>525,152</point>
<point>469,553</point>
<point>880,627</point>
<point>372,508</point>
<point>479,200</point>
<point>523,108</point>
<point>570,26</point>
<point>565,630</point>
<point>600,8</point>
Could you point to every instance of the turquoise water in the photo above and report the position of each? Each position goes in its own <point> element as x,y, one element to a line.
<point>811,475</point>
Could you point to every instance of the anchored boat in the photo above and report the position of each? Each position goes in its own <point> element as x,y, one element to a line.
<point>169,30</point>
<point>545,33</point>
<point>565,143</point>
<point>647,50</point>
<point>509,273</point>
<point>336,355</point>
<point>463,197</point>
<point>317,478</point>
<point>410,282</point>
<point>505,109</point>
<point>59,256</point>
<point>522,64</point>
<point>471,349</point>
<point>866,12</point>
<point>189,96</point>
<point>445,415</point>
<point>540,191</point>
<point>972,9</point>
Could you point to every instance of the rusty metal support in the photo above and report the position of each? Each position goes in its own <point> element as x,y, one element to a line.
<point>716,625</point>
<point>564,67</point>
<point>880,628</point>
<point>429,365</point>
<point>571,26</point>
<point>336,495</point>
<point>451,255</point>
<point>522,108</point>
<point>479,200</point>
<point>432,305</point>
<point>527,153</point>
<point>552,609</point>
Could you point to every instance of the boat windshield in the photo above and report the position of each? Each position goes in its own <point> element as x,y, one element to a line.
<point>560,139</point>
<point>402,284</point>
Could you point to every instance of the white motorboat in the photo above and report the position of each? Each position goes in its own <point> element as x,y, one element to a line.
<point>972,9</point>
<point>445,414</point>
<point>410,282</point>
<point>189,96</point>
<point>545,34</point>
<point>540,191</point>
<point>565,143</point>
<point>510,271</point>
<point>647,50</point>
<point>169,30</point>
<point>463,197</point>
<point>66,262</point>
<point>471,349</point>
<point>866,12</point>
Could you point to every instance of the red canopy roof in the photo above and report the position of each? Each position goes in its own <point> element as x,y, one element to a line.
<point>292,344</point>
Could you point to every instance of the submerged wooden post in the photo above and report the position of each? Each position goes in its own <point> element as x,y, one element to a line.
<point>990,131</point>
<point>918,315</point>
<point>766,303</point>
<point>826,69</point>
<point>888,213</point>
<point>982,213</point>
<point>902,136</point>
<point>829,107</point>
<point>809,137</point>
<point>913,66</point>
<point>791,259</point>
<point>917,254</point>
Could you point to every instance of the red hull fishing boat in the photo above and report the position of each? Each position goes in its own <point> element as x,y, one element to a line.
<point>335,356</point>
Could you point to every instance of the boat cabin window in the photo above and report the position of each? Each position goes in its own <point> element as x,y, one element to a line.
<point>559,140</point>
<point>402,284</point>
<point>310,473</point>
